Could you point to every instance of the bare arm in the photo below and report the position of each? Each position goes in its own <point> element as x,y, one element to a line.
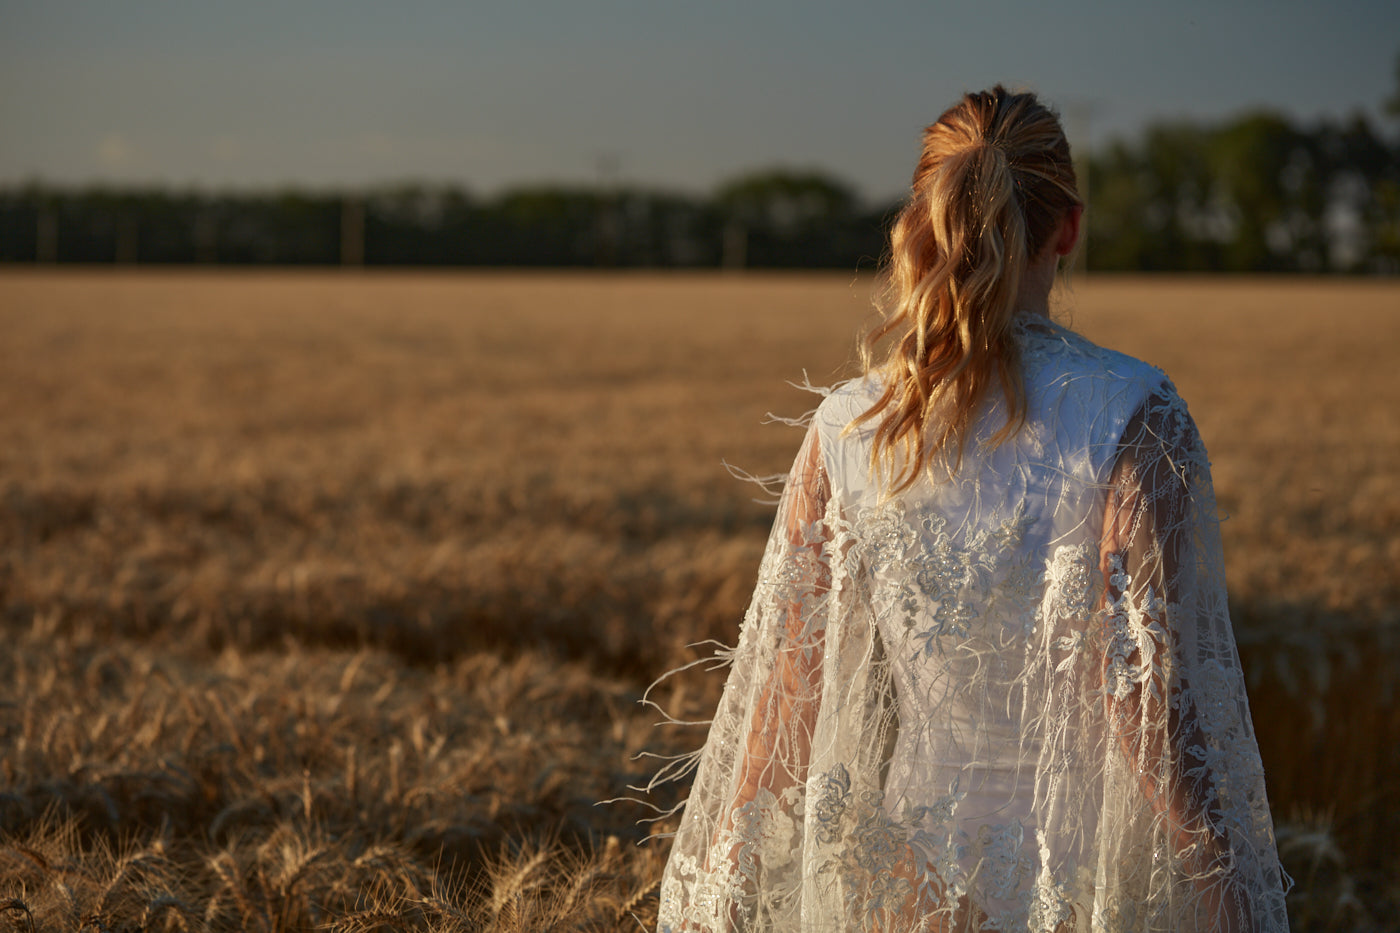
<point>778,746</point>
<point>772,746</point>
<point>1147,555</point>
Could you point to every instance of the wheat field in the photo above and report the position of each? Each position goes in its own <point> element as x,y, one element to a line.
<point>329,598</point>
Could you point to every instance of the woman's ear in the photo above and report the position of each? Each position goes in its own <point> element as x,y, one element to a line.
<point>1068,234</point>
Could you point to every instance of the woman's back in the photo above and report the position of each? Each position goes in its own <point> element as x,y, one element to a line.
<point>1007,700</point>
<point>961,576</point>
<point>987,679</point>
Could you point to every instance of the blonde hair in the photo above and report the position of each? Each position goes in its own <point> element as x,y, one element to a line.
<point>992,185</point>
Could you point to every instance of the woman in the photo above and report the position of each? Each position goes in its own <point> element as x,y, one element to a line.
<point>988,679</point>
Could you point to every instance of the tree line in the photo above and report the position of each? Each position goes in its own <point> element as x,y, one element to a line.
<point>1256,193</point>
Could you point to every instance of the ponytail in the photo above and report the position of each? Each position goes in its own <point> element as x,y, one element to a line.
<point>992,184</point>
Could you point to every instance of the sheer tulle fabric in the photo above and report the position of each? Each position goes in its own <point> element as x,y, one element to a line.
<point>1009,701</point>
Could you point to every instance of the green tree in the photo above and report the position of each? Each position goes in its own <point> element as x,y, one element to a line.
<point>785,201</point>
<point>1149,203</point>
<point>795,219</point>
<point>1256,162</point>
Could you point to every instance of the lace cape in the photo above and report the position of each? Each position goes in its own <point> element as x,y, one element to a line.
<point>1010,701</point>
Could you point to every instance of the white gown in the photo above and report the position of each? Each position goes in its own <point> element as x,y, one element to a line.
<point>1011,701</point>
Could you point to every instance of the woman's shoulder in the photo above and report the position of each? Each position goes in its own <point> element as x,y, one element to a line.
<point>845,449</point>
<point>1061,357</point>
<point>844,403</point>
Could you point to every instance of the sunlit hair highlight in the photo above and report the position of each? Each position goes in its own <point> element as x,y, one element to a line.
<point>993,183</point>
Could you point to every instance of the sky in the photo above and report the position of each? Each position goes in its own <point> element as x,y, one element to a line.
<point>224,94</point>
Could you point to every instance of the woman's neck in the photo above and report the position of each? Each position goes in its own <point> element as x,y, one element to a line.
<point>1036,282</point>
